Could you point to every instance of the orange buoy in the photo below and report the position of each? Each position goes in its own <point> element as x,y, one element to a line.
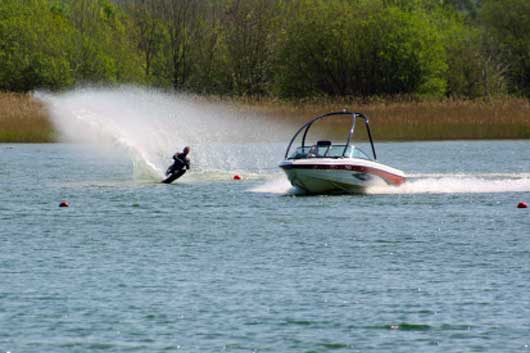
<point>237,177</point>
<point>522,205</point>
<point>64,204</point>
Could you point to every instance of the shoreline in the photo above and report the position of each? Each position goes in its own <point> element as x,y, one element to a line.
<point>24,119</point>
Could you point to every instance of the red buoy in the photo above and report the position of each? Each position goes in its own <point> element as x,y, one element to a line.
<point>522,205</point>
<point>64,204</point>
<point>237,177</point>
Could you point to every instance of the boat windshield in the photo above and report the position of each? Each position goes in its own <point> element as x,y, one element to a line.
<point>332,151</point>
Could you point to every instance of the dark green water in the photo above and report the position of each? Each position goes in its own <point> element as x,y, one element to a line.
<point>213,265</point>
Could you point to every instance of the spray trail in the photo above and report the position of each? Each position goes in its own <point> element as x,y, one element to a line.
<point>427,184</point>
<point>279,185</point>
<point>151,125</point>
<point>459,183</point>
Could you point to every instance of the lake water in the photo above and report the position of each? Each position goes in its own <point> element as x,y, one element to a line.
<point>209,264</point>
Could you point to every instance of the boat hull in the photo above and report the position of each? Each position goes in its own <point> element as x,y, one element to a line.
<point>349,175</point>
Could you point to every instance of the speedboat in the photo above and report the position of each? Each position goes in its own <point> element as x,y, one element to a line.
<point>326,167</point>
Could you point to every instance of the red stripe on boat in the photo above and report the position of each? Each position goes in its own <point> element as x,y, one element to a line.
<point>389,177</point>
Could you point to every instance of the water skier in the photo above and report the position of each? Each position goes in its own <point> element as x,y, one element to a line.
<point>181,163</point>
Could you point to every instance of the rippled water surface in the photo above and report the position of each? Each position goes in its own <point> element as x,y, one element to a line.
<point>214,265</point>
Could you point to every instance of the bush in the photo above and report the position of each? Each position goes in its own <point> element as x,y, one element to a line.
<point>336,48</point>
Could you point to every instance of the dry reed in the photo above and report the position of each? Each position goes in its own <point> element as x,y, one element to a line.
<point>23,119</point>
<point>407,119</point>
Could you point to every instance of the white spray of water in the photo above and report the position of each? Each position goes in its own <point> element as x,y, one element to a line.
<point>151,125</point>
<point>428,184</point>
<point>279,185</point>
<point>459,183</point>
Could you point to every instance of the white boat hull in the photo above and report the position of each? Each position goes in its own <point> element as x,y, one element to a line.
<point>344,175</point>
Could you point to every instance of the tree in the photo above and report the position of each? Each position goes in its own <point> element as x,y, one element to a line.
<point>210,60</point>
<point>32,42</point>
<point>507,27</point>
<point>249,39</point>
<point>148,30</point>
<point>101,50</point>
<point>180,19</point>
<point>364,49</point>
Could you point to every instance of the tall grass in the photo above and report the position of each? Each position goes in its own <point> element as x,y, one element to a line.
<point>408,119</point>
<point>23,119</point>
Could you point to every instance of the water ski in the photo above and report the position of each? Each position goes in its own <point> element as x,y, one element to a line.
<point>174,176</point>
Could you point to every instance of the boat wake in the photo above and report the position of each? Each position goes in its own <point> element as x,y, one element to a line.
<point>458,184</point>
<point>427,184</point>
<point>278,185</point>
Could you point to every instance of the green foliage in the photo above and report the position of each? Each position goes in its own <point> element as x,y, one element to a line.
<point>54,44</point>
<point>249,38</point>
<point>464,77</point>
<point>211,71</point>
<point>409,57</point>
<point>362,50</point>
<point>31,42</point>
<point>288,48</point>
<point>507,27</point>
<point>101,50</point>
